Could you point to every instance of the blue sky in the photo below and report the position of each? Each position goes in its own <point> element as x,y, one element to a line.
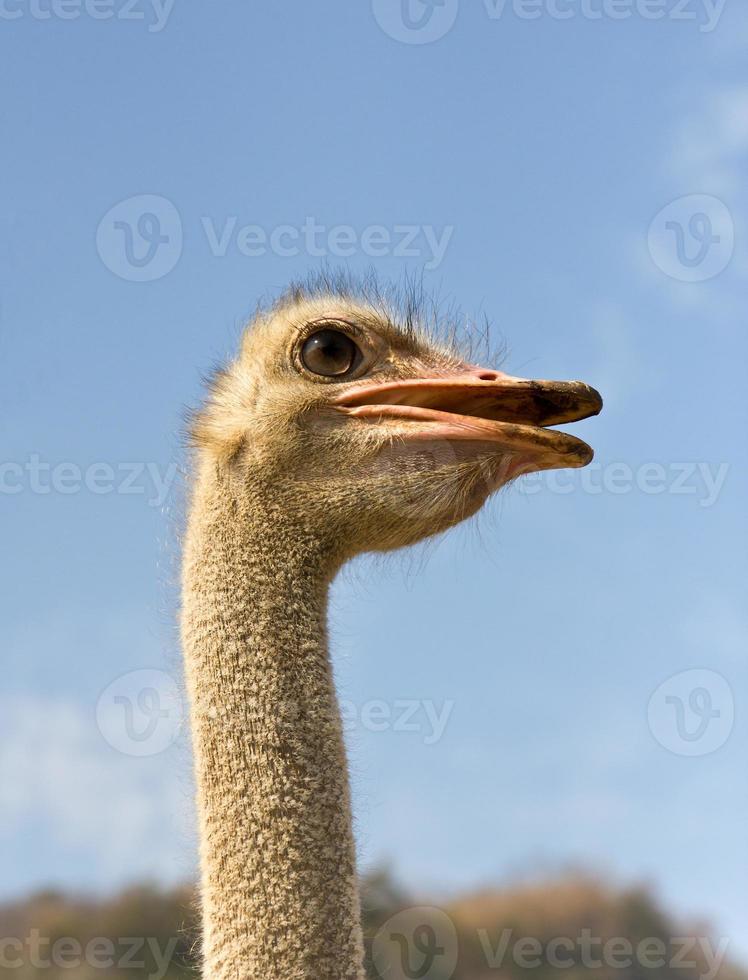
<point>580,182</point>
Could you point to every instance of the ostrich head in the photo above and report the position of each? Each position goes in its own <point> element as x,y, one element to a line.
<point>369,434</point>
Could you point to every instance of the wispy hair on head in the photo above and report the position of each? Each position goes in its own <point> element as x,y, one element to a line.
<point>405,304</point>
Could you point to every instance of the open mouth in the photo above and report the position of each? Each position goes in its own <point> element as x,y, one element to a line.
<point>511,414</point>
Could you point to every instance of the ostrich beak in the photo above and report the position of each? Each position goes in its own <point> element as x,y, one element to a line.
<point>483,406</point>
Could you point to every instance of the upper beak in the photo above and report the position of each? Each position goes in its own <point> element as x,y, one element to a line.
<point>487,406</point>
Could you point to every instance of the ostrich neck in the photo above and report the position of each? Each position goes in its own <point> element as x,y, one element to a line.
<point>279,891</point>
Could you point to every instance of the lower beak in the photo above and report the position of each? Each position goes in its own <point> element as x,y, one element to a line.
<point>483,406</point>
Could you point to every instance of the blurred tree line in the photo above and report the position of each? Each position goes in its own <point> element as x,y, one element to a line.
<point>564,929</point>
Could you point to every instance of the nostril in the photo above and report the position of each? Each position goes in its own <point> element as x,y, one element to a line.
<point>488,376</point>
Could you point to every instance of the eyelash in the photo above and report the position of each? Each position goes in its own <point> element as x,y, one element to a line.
<point>342,326</point>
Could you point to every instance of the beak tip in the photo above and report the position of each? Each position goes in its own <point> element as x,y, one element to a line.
<point>593,398</point>
<point>581,455</point>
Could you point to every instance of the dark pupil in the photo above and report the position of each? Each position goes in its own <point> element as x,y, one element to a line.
<point>329,352</point>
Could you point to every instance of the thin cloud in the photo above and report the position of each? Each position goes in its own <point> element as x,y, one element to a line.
<point>127,818</point>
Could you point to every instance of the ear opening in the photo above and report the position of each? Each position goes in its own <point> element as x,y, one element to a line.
<point>216,427</point>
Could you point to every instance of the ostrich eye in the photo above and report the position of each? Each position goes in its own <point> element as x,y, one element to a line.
<point>329,353</point>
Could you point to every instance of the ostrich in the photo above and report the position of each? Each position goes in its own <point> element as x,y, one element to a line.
<point>341,427</point>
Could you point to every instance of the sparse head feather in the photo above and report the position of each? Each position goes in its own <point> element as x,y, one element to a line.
<point>407,304</point>
<point>405,315</point>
